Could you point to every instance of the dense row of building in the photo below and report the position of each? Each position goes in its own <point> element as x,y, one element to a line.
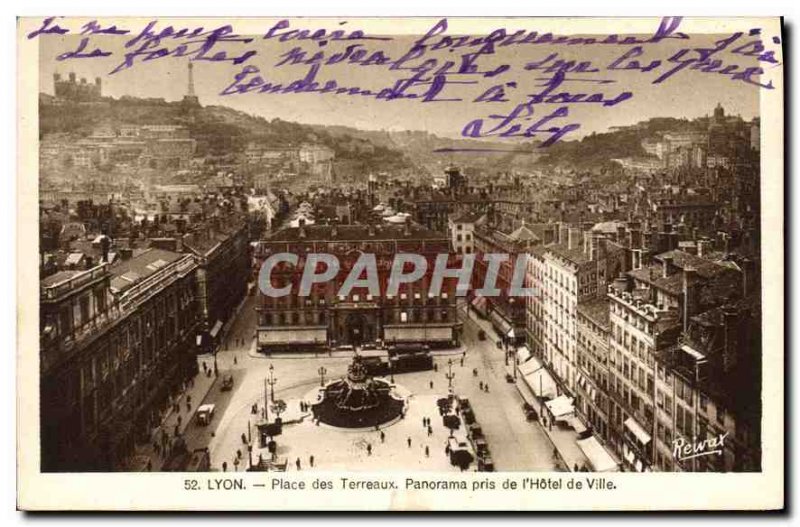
<point>123,320</point>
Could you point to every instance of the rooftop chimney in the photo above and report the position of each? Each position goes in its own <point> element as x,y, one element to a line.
<point>690,295</point>
<point>666,266</point>
<point>572,238</point>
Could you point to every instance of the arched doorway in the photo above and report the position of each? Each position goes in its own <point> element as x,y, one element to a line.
<point>355,327</point>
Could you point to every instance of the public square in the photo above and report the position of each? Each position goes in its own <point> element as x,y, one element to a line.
<point>515,443</point>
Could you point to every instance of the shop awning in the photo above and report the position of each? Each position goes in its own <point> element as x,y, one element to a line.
<point>479,303</point>
<point>576,423</point>
<point>523,353</point>
<point>538,378</point>
<point>502,326</point>
<point>560,407</point>
<point>215,330</point>
<point>273,336</point>
<point>599,458</point>
<point>417,334</point>
<point>637,430</point>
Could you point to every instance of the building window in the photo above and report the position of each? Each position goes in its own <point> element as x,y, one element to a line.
<point>403,316</point>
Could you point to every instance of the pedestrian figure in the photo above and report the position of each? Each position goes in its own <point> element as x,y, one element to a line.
<point>474,372</point>
<point>575,467</point>
<point>224,466</point>
<point>409,442</point>
<point>424,423</point>
<point>555,452</point>
<point>480,385</point>
<point>311,460</point>
<point>383,436</point>
<point>427,451</point>
<point>189,398</point>
<point>297,463</point>
<point>435,367</point>
<point>447,449</point>
<point>244,438</point>
<point>369,449</point>
<point>149,465</point>
<point>238,453</point>
<point>486,387</point>
<point>234,360</point>
<point>431,385</point>
<point>430,431</point>
<point>462,361</point>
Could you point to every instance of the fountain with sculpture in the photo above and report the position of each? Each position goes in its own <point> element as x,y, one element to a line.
<point>358,400</point>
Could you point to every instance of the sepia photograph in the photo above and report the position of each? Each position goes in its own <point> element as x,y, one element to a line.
<point>406,256</point>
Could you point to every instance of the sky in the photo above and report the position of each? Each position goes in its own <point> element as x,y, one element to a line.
<point>688,94</point>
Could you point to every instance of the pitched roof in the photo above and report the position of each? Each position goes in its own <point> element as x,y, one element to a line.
<point>523,233</point>
<point>129,272</point>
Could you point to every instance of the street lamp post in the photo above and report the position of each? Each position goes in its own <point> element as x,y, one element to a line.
<point>272,380</point>
<point>322,371</point>
<point>450,375</point>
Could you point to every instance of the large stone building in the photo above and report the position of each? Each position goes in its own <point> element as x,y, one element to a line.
<point>654,397</point>
<point>325,319</point>
<point>115,342</point>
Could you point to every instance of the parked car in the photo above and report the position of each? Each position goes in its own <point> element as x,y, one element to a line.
<point>509,378</point>
<point>481,335</point>
<point>227,383</point>
<point>530,412</point>
<point>499,344</point>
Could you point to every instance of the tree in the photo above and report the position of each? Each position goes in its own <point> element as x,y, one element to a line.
<point>452,422</point>
<point>461,458</point>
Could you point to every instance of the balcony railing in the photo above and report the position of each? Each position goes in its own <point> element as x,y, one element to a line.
<point>74,282</point>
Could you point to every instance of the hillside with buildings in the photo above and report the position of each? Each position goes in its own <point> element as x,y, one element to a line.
<point>662,143</point>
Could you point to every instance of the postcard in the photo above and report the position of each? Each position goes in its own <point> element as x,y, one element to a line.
<point>404,264</point>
